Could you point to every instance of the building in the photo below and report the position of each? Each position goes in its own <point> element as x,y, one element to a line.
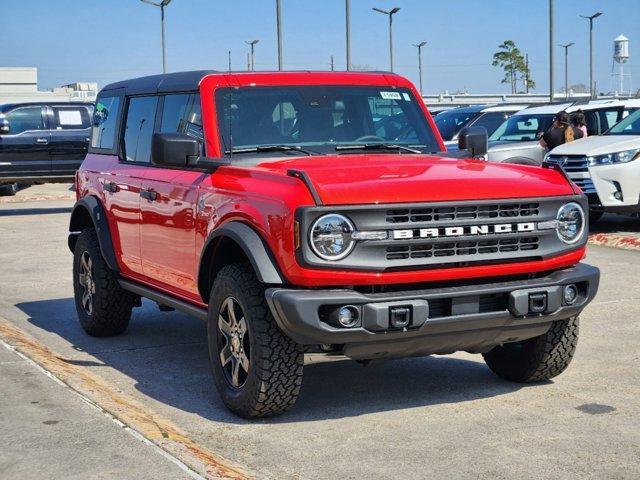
<point>20,84</point>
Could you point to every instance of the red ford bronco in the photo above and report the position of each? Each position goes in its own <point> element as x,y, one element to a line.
<point>319,211</point>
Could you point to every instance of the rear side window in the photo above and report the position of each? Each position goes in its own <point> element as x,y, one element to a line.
<point>138,129</point>
<point>491,121</point>
<point>25,119</point>
<point>105,122</point>
<point>70,118</point>
<point>181,114</point>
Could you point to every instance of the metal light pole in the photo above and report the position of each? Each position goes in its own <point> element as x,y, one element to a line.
<point>252,44</point>
<point>420,45</point>
<point>229,58</point>
<point>591,18</point>
<point>279,29</point>
<point>566,68</point>
<point>390,14</point>
<point>162,4</point>
<point>347,6</point>
<point>551,50</point>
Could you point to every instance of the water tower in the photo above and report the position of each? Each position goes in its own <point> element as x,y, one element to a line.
<point>621,56</point>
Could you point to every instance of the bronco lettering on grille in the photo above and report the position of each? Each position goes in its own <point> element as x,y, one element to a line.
<point>466,230</point>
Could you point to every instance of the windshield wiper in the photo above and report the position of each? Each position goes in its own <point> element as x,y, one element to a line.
<point>378,146</point>
<point>268,148</point>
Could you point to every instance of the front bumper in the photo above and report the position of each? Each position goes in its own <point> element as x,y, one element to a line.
<point>617,187</point>
<point>472,317</point>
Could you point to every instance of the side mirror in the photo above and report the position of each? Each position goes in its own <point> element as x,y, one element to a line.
<point>474,139</point>
<point>4,126</point>
<point>173,149</point>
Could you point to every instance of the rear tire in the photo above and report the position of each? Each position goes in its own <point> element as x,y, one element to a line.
<point>536,359</point>
<point>103,306</point>
<point>257,369</point>
<point>8,190</point>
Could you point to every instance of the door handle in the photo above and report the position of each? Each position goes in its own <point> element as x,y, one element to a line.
<point>42,141</point>
<point>149,195</point>
<point>110,187</point>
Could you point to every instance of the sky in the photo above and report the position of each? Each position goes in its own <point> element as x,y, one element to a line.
<point>108,40</point>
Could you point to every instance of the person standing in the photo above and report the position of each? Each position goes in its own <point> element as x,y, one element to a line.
<point>560,132</point>
<point>579,121</point>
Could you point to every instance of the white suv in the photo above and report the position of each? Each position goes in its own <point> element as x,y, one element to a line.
<point>606,167</point>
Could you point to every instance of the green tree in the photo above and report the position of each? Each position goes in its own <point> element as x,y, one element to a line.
<point>510,59</point>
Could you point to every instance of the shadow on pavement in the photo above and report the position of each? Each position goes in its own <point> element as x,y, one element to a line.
<point>19,212</point>
<point>166,355</point>
<point>621,224</point>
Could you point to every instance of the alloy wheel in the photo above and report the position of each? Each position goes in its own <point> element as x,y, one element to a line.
<point>86,281</point>
<point>233,343</point>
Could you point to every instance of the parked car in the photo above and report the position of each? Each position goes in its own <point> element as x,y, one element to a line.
<point>273,207</point>
<point>517,139</point>
<point>606,167</point>
<point>490,117</point>
<point>42,142</point>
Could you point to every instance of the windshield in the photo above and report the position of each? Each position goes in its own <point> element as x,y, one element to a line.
<point>629,126</point>
<point>320,118</point>
<point>523,127</point>
<point>451,122</point>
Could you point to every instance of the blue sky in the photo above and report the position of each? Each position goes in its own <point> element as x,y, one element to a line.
<point>108,40</point>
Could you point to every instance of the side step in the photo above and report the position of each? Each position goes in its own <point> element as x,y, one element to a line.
<point>164,299</point>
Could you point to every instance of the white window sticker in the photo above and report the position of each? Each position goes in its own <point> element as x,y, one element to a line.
<point>70,117</point>
<point>406,96</point>
<point>390,95</point>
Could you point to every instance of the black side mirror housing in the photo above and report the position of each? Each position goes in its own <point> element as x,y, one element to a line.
<point>474,139</point>
<point>174,149</point>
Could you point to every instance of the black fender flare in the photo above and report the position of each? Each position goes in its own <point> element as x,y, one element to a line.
<point>254,248</point>
<point>91,206</point>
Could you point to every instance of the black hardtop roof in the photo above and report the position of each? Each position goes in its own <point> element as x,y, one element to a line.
<point>10,106</point>
<point>182,81</point>
<point>167,82</point>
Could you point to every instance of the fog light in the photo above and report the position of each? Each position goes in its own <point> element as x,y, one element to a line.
<point>348,316</point>
<point>617,195</point>
<point>570,294</point>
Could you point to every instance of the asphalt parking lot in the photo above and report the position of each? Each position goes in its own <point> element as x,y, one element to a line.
<point>436,417</point>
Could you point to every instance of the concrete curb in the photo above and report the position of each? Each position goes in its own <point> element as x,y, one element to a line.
<point>37,198</point>
<point>144,423</point>
<point>625,242</point>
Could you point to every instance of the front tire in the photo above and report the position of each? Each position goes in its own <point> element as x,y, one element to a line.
<point>536,359</point>
<point>103,306</point>
<point>257,369</point>
<point>595,215</point>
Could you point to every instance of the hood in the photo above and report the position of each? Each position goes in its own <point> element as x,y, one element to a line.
<point>500,145</point>
<point>402,178</point>
<point>598,145</point>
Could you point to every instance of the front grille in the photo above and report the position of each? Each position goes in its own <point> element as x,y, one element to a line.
<point>570,164</point>
<point>585,184</point>
<point>462,212</point>
<point>445,234</point>
<point>450,249</point>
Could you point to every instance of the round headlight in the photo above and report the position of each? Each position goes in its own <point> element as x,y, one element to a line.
<point>570,222</point>
<point>330,237</point>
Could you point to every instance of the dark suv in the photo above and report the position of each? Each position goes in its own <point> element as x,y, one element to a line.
<point>42,142</point>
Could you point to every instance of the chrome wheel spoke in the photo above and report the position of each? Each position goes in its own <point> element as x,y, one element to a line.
<point>224,327</point>
<point>82,278</point>
<point>242,326</point>
<point>225,355</point>
<point>235,372</point>
<point>244,362</point>
<point>231,313</point>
